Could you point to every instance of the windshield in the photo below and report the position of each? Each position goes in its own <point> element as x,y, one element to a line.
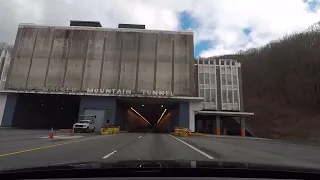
<point>234,80</point>
<point>85,122</point>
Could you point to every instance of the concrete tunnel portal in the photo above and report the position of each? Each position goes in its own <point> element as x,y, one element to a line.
<point>91,67</point>
<point>40,111</point>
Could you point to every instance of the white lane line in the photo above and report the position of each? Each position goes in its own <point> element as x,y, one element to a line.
<point>108,155</point>
<point>192,147</point>
<point>113,152</point>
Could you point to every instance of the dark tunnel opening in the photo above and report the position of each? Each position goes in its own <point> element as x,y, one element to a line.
<point>155,118</point>
<point>37,111</point>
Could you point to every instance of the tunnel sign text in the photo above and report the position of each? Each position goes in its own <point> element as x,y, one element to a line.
<point>128,92</point>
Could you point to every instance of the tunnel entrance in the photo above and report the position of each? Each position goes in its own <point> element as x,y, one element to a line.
<point>150,115</point>
<point>43,111</point>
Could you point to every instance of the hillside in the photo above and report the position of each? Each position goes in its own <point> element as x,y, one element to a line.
<point>281,84</point>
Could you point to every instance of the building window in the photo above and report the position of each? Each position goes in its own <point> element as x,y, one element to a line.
<point>207,95</point>
<point>229,79</point>
<point>206,78</point>
<point>213,78</point>
<point>230,96</point>
<point>201,93</point>
<point>201,81</point>
<point>213,95</point>
<point>206,69</point>
<point>235,82</point>
<point>234,70</point>
<point>235,93</point>
<point>224,96</point>
<point>228,70</point>
<point>223,79</point>
<point>200,68</point>
<point>222,70</point>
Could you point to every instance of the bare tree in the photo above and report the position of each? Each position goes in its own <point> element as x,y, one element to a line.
<point>5,46</point>
<point>283,75</point>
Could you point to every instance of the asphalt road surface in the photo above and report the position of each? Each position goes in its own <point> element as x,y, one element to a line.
<point>26,149</point>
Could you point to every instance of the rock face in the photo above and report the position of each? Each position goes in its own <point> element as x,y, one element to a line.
<point>281,84</point>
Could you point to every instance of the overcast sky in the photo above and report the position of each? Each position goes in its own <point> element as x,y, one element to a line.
<point>220,26</point>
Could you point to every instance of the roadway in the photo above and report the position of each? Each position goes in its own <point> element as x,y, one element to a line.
<point>27,150</point>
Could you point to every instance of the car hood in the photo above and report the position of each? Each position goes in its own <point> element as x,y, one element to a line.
<point>82,124</point>
<point>166,164</point>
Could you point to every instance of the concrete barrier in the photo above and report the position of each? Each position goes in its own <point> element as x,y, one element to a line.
<point>180,131</point>
<point>110,130</point>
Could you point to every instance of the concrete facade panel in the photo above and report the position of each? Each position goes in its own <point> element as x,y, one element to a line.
<point>58,59</point>
<point>129,60</point>
<point>6,83</point>
<point>3,100</point>
<point>193,91</point>
<point>2,59</point>
<point>82,58</point>
<point>6,66</point>
<point>112,56</point>
<point>181,63</point>
<point>94,60</point>
<point>147,61</point>
<point>164,63</point>
<point>76,59</point>
<point>193,106</point>
<point>9,110</point>
<point>40,58</point>
<point>24,53</point>
<point>184,115</point>
<point>74,73</point>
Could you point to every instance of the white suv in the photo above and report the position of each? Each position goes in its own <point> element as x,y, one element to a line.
<point>84,126</point>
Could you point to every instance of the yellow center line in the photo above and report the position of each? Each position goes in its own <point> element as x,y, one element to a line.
<point>49,146</point>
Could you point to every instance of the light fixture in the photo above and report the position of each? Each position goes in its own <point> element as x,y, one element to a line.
<point>162,115</point>
<point>140,115</point>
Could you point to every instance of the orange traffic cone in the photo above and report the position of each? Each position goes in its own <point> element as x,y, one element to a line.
<point>72,132</point>
<point>51,133</point>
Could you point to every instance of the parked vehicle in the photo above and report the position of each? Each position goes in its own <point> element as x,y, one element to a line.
<point>86,123</point>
